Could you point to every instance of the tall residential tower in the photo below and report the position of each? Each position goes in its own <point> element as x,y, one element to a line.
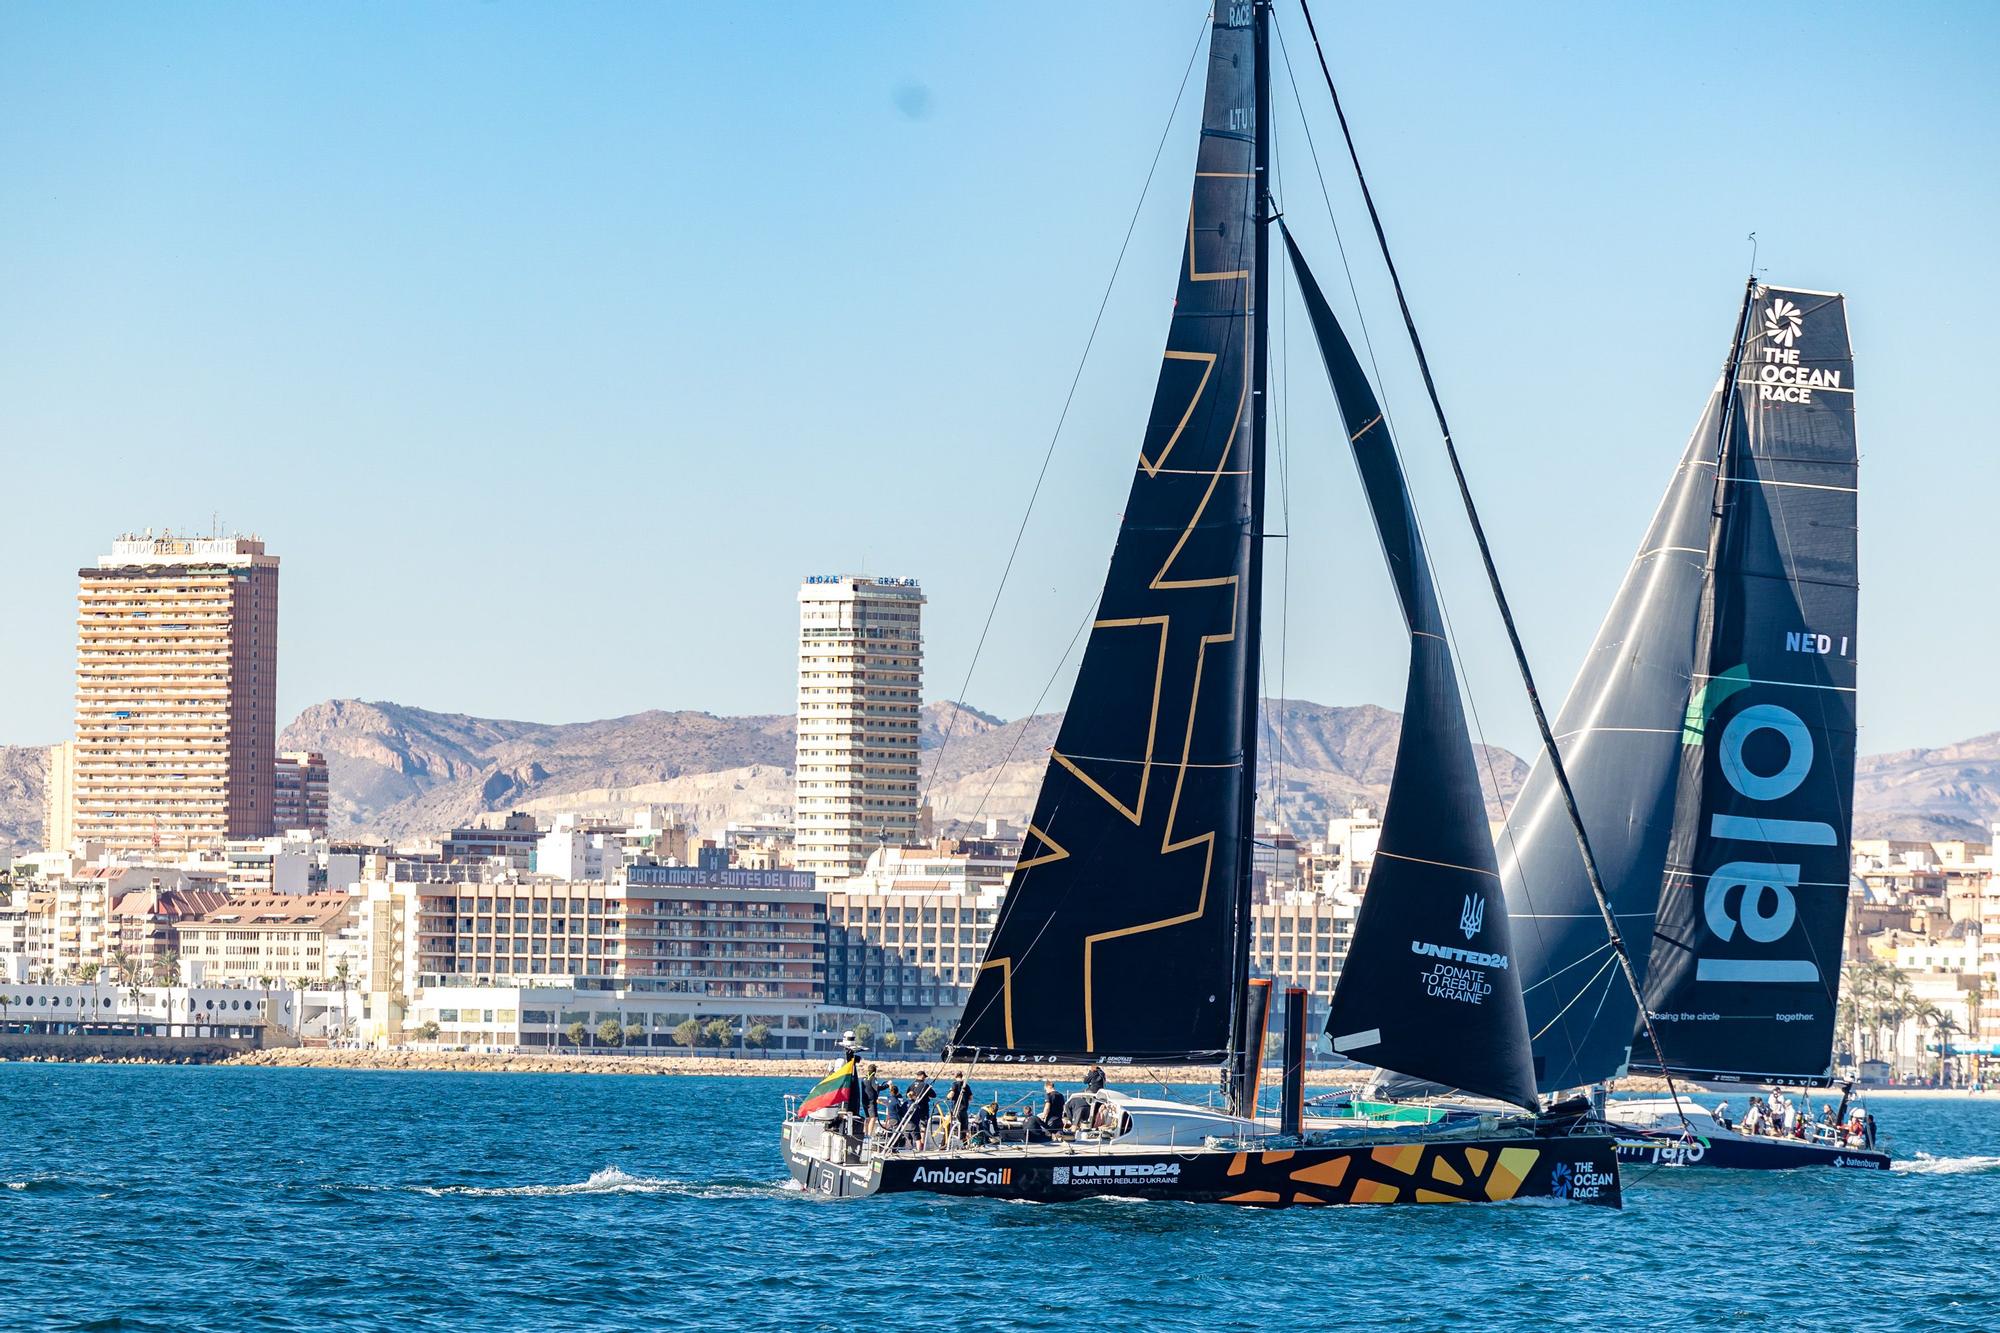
<point>176,693</point>
<point>861,659</point>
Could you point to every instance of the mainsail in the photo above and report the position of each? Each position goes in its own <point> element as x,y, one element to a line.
<point>1134,871</point>
<point>1746,953</point>
<point>1620,732</point>
<point>1429,987</point>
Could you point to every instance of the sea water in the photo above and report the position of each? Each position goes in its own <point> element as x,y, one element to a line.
<point>139,1198</point>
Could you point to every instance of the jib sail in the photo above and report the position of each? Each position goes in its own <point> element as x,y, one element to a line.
<point>1429,988</point>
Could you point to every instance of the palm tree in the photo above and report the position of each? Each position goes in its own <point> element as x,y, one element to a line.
<point>121,963</point>
<point>1944,1026</point>
<point>6,1002</point>
<point>342,973</point>
<point>167,972</point>
<point>88,974</point>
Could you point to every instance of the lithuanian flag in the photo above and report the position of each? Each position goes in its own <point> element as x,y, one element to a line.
<point>840,1088</point>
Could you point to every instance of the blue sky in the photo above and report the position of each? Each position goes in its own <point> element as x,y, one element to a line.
<point>550,345</point>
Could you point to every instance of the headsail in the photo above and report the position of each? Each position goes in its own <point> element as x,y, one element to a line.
<point>1746,954</point>
<point>1429,987</point>
<point>1620,732</point>
<point>1134,864</point>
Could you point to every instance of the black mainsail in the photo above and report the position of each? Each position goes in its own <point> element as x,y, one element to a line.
<point>1746,952</point>
<point>1710,739</point>
<point>1136,864</point>
<point>1429,989</point>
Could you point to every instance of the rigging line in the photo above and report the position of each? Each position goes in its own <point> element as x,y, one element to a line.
<point>1284,489</point>
<point>1485,750</point>
<point>1089,613</point>
<point>1048,455</point>
<point>1556,769</point>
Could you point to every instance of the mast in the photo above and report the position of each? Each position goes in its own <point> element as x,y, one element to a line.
<point>1123,933</point>
<point>1725,454</point>
<point>1243,1059</point>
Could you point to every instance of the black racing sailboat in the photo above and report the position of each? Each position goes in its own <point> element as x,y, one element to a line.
<point>1124,936</point>
<point>1710,737</point>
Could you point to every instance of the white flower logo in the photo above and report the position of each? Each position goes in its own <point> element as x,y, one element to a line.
<point>1782,322</point>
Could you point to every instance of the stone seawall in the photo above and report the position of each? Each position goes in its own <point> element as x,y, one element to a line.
<point>470,1062</point>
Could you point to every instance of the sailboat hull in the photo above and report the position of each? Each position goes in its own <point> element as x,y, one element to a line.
<point>1582,1169</point>
<point>1729,1152</point>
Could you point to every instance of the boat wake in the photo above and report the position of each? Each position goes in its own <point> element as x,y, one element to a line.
<point>1923,1164</point>
<point>610,1180</point>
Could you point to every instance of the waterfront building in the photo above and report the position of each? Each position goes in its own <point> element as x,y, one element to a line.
<point>906,936</point>
<point>176,694</point>
<point>558,1013</point>
<point>299,786</point>
<point>103,1005</point>
<point>1300,939</point>
<point>718,932</point>
<point>860,694</point>
<point>266,935</point>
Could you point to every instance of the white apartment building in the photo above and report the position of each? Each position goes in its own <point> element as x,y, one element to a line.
<point>580,847</point>
<point>176,680</point>
<point>860,693</point>
<point>1350,851</point>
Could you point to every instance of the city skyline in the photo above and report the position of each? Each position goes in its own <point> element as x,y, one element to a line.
<point>335,297</point>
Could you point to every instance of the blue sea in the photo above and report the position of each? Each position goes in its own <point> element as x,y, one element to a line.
<point>147,1198</point>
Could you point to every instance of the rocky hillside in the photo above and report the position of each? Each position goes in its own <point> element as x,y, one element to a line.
<point>401,772</point>
<point>23,770</point>
<point>398,771</point>
<point>1952,791</point>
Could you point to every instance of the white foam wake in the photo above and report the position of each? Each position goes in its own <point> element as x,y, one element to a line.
<point>1923,1164</point>
<point>610,1180</point>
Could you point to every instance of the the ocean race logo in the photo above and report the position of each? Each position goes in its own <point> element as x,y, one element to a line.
<point>1472,916</point>
<point>1581,1181</point>
<point>1782,321</point>
<point>1778,372</point>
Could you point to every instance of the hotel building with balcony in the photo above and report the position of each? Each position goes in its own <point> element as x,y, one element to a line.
<point>176,695</point>
<point>860,692</point>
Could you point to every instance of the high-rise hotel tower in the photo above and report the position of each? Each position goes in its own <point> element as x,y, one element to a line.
<point>861,678</point>
<point>176,694</point>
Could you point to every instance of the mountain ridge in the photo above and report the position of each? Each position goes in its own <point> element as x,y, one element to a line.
<point>399,771</point>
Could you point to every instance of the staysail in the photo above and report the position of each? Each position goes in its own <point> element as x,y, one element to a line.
<point>1120,934</point>
<point>1746,953</point>
<point>1429,988</point>
<point>1620,733</point>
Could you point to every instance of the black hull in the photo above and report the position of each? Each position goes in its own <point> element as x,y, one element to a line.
<point>1582,1169</point>
<point>1728,1152</point>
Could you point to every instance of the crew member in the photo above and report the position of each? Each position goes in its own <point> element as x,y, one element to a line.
<point>1050,1121</point>
<point>957,1105</point>
<point>922,1094</point>
<point>1093,1079</point>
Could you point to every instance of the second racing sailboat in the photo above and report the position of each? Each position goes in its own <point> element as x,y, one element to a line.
<point>1711,737</point>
